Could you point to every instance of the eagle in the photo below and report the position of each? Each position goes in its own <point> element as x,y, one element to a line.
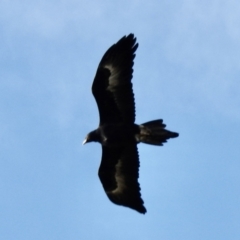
<point>117,132</point>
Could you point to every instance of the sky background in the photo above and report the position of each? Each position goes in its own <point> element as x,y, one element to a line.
<point>186,72</point>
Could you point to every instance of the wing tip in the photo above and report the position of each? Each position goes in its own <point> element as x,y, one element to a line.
<point>142,210</point>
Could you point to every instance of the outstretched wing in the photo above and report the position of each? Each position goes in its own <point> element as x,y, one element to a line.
<point>118,173</point>
<point>112,87</point>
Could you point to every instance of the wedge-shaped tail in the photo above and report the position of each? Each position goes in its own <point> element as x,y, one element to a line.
<point>154,133</point>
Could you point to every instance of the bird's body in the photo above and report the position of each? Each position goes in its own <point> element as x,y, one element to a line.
<point>117,132</point>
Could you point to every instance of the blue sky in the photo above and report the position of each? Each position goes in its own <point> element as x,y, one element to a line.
<point>186,72</point>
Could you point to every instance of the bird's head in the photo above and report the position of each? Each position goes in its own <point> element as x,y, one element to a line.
<point>91,137</point>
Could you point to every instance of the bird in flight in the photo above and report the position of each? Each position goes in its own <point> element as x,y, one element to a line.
<point>117,132</point>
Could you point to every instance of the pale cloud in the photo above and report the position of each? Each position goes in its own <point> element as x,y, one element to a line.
<point>204,40</point>
<point>47,19</point>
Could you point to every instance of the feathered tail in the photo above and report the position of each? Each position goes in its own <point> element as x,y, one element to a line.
<point>154,133</point>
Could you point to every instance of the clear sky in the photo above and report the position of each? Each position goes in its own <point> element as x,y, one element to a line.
<point>187,72</point>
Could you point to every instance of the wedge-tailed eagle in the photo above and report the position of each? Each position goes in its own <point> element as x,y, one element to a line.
<point>117,132</point>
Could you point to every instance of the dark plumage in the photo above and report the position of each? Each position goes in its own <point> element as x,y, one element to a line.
<point>117,132</point>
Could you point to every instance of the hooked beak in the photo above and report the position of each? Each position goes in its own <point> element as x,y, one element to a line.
<point>84,141</point>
